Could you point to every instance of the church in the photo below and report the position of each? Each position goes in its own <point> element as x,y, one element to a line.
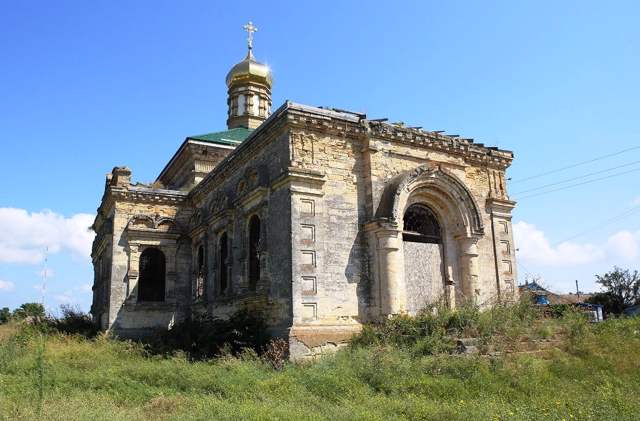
<point>316,219</point>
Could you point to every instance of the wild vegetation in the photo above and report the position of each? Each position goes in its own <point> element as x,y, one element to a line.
<point>621,289</point>
<point>405,368</point>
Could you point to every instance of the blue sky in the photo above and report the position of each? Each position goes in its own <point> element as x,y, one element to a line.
<point>86,86</point>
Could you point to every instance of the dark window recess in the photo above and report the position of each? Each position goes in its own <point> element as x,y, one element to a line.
<point>254,252</point>
<point>151,285</point>
<point>224,263</point>
<point>200,273</point>
<point>421,225</point>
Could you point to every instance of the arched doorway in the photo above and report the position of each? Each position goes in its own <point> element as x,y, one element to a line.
<point>408,268</point>
<point>423,257</point>
<point>151,286</point>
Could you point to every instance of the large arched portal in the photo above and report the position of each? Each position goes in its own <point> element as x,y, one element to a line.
<point>425,234</point>
<point>423,257</point>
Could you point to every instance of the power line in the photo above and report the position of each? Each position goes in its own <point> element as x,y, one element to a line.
<point>578,184</point>
<point>601,224</point>
<point>575,165</point>
<point>579,177</point>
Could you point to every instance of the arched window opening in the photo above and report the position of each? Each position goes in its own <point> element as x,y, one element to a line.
<point>223,251</point>
<point>151,285</point>
<point>254,252</point>
<point>421,225</point>
<point>200,272</point>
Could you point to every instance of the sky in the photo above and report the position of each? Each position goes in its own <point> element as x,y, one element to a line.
<point>86,86</point>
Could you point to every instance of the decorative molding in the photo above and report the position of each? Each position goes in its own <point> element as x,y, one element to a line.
<point>501,207</point>
<point>475,153</point>
<point>149,195</point>
<point>301,180</point>
<point>252,199</point>
<point>219,202</point>
<point>152,229</point>
<point>425,175</point>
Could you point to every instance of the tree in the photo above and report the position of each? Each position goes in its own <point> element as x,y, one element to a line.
<point>35,310</point>
<point>622,289</point>
<point>5,315</point>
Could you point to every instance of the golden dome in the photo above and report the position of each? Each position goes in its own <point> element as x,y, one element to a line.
<point>249,70</point>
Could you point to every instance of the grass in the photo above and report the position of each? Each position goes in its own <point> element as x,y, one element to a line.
<point>389,374</point>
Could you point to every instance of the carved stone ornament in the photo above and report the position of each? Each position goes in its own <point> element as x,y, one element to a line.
<point>154,223</point>
<point>433,178</point>
<point>219,202</point>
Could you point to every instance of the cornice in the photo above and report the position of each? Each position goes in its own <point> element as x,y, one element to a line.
<point>501,207</point>
<point>302,180</point>
<point>149,195</point>
<point>256,195</point>
<point>326,124</point>
<point>354,125</point>
<point>475,153</point>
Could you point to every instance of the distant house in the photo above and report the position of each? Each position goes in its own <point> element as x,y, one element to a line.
<point>632,311</point>
<point>544,297</point>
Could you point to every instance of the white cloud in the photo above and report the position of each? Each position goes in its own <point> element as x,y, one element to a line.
<point>624,244</point>
<point>24,235</point>
<point>85,288</point>
<point>534,247</point>
<point>636,201</point>
<point>65,298</point>
<point>6,286</point>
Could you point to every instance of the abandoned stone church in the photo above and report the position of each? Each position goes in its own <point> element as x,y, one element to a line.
<point>316,219</point>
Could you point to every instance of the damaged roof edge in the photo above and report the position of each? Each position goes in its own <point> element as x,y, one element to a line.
<point>321,112</point>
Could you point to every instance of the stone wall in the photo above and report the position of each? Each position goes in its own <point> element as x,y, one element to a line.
<point>138,224</point>
<point>240,188</point>
<point>424,274</point>
<point>391,158</point>
<point>329,258</point>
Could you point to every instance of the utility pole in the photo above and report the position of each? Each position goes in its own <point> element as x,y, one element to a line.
<point>577,290</point>
<point>43,290</point>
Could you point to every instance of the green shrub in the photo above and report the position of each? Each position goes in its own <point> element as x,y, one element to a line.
<point>209,337</point>
<point>432,330</point>
<point>73,321</point>
<point>5,315</point>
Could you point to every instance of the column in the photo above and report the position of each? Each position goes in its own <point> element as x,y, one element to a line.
<point>131,293</point>
<point>469,266</point>
<point>393,298</point>
<point>450,287</point>
<point>170,252</point>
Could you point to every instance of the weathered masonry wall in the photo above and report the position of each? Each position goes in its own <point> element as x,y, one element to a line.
<point>136,227</point>
<point>327,220</point>
<point>245,186</point>
<point>329,251</point>
<point>494,272</point>
<point>101,257</point>
<point>424,274</point>
<point>130,219</point>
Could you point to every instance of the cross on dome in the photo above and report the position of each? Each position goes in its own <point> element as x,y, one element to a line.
<point>250,28</point>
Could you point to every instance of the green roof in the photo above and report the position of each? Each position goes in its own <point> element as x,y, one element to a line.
<point>230,137</point>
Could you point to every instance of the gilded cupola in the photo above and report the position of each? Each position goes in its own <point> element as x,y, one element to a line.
<point>249,89</point>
